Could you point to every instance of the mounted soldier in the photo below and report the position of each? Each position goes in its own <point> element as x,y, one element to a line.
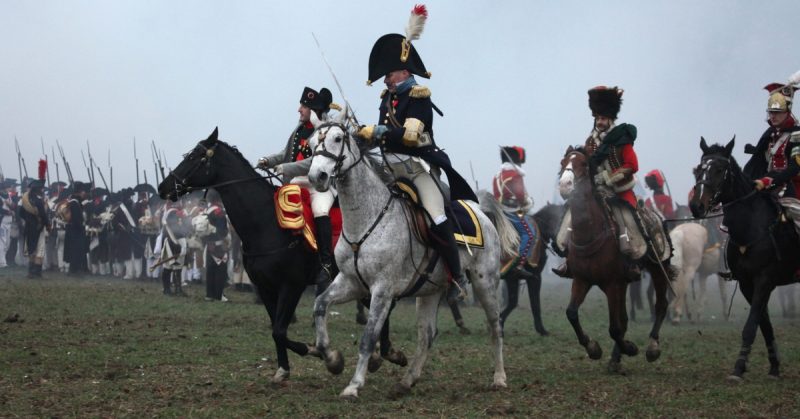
<point>293,164</point>
<point>34,213</point>
<point>661,202</point>
<point>405,135</point>
<point>774,161</point>
<point>611,155</point>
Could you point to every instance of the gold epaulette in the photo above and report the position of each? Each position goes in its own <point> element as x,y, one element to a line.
<point>383,93</point>
<point>420,92</point>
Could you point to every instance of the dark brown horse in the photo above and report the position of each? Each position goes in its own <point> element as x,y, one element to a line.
<point>594,258</point>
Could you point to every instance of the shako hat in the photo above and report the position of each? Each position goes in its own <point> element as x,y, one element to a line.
<point>393,51</point>
<point>605,101</point>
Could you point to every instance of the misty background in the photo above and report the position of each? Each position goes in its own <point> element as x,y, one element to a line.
<point>504,73</point>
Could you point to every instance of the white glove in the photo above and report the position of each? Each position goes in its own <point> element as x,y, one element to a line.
<point>263,164</point>
<point>278,170</point>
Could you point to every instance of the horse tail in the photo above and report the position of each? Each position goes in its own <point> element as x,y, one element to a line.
<point>509,239</point>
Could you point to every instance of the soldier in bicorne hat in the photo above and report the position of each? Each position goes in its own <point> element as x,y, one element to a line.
<point>293,164</point>
<point>404,133</point>
<point>776,158</point>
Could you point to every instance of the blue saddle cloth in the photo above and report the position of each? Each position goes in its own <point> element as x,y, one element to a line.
<point>528,239</point>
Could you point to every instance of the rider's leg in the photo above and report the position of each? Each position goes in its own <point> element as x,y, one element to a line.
<point>631,238</point>
<point>561,245</point>
<point>442,230</point>
<point>321,203</point>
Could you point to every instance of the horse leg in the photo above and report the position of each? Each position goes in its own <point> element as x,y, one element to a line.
<point>485,288</point>
<point>534,294</point>
<point>386,352</point>
<point>772,347</point>
<point>512,285</point>
<point>660,284</point>
<point>700,304</point>
<point>427,309</point>
<point>270,301</point>
<point>650,292</point>
<point>380,304</point>
<point>758,298</point>
<point>579,291</point>
<point>618,325</point>
<point>723,295</point>
<point>340,290</point>
<point>288,297</point>
<point>635,294</point>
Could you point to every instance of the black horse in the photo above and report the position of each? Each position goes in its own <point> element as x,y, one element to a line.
<point>547,219</point>
<point>278,263</point>
<point>762,248</point>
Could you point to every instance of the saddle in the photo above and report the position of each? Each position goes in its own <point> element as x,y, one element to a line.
<point>471,232</point>
<point>293,212</point>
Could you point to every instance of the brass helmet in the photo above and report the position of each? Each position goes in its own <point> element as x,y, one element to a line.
<point>780,97</point>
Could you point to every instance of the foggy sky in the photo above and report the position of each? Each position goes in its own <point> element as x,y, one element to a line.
<point>504,73</point>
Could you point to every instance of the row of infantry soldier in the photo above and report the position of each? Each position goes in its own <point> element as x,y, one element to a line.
<point>79,230</point>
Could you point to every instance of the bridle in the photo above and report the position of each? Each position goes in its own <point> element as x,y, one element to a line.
<point>705,164</point>
<point>322,150</point>
<point>181,186</point>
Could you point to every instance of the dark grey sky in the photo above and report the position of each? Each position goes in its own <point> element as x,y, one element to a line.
<point>504,73</point>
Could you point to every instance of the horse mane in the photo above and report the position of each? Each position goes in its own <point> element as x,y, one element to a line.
<point>375,163</point>
<point>243,159</point>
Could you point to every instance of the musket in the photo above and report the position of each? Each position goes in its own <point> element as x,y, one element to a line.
<point>161,262</point>
<point>110,171</point>
<point>92,164</point>
<point>473,175</point>
<point>145,175</point>
<point>20,160</point>
<point>66,164</point>
<point>88,172</point>
<point>166,163</point>
<point>55,162</point>
<point>47,161</point>
<point>351,112</point>
<point>136,159</point>
<point>103,178</point>
<point>157,158</point>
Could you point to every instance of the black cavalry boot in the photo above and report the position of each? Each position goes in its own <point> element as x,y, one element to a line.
<point>325,252</point>
<point>445,243</point>
<point>562,270</point>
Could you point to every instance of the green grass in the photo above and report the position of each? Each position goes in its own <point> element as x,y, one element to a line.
<point>105,347</point>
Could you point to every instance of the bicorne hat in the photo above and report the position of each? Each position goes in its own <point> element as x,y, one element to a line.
<point>394,52</point>
<point>318,101</point>
<point>605,101</point>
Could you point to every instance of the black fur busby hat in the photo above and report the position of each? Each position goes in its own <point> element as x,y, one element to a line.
<point>318,101</point>
<point>513,154</point>
<point>605,101</point>
<point>394,52</point>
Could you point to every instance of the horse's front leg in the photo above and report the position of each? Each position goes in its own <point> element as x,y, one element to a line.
<point>772,346</point>
<point>427,310</point>
<point>579,290</point>
<point>534,295</point>
<point>341,290</point>
<point>758,296</point>
<point>380,305</point>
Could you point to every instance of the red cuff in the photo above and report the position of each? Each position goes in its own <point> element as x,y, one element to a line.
<point>767,181</point>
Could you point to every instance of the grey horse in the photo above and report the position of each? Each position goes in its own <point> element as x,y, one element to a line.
<point>385,259</point>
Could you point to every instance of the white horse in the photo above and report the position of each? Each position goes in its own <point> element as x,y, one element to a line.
<point>694,257</point>
<point>378,256</point>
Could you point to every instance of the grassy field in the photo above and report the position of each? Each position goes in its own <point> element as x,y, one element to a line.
<point>105,347</point>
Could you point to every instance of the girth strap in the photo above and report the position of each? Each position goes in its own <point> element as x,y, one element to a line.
<point>356,246</point>
<point>423,277</point>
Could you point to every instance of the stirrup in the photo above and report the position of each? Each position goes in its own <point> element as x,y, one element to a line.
<point>457,291</point>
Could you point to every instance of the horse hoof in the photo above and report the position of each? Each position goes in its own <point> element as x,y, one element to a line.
<point>464,331</point>
<point>498,385</point>
<point>349,396</point>
<point>594,350</point>
<point>652,354</point>
<point>735,378</point>
<point>374,363</point>
<point>614,367</point>
<point>399,391</point>
<point>396,357</point>
<point>280,376</point>
<point>361,318</point>
<point>313,351</point>
<point>629,348</point>
<point>335,362</point>
<point>542,332</point>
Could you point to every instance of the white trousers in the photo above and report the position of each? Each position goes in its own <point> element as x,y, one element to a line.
<point>5,239</point>
<point>321,202</point>
<point>430,195</point>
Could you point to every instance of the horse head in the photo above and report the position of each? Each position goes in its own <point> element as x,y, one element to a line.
<point>711,176</point>
<point>336,150</point>
<point>194,172</point>
<point>574,167</point>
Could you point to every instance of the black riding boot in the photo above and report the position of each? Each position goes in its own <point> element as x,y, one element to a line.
<point>445,243</point>
<point>562,270</point>
<point>325,253</point>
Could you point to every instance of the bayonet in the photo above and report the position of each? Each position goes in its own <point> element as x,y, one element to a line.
<point>20,161</point>
<point>91,163</point>
<point>110,171</point>
<point>136,159</point>
<point>88,172</point>
<point>66,164</point>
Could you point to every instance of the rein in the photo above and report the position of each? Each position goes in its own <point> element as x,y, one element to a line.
<point>356,246</point>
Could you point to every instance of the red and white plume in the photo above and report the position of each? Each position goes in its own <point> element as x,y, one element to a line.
<point>416,22</point>
<point>42,169</point>
<point>794,79</point>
